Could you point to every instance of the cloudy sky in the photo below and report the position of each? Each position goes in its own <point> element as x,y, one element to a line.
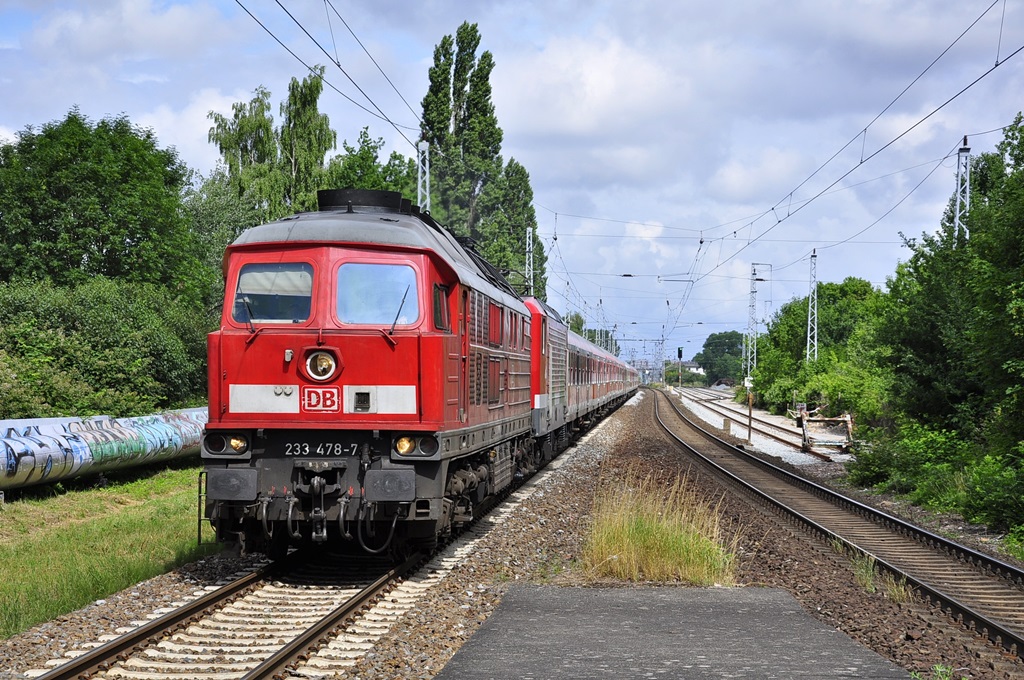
<point>672,146</point>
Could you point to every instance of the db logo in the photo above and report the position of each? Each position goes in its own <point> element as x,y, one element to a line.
<point>320,399</point>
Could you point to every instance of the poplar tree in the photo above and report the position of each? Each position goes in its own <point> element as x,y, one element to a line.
<point>460,124</point>
<point>509,220</point>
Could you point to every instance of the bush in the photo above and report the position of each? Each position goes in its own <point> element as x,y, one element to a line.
<point>1015,541</point>
<point>104,346</point>
<point>995,492</point>
<point>924,463</point>
<point>873,461</point>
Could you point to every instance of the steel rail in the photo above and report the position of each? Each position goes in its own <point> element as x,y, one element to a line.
<point>738,417</point>
<point>101,658</point>
<point>294,653</point>
<point>1012,641</point>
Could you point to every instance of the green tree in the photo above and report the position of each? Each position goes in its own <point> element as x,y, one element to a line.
<point>247,139</point>
<point>216,215</point>
<point>277,170</point>
<point>79,200</point>
<point>460,123</point>
<point>928,322</point>
<point>575,322</point>
<point>722,356</point>
<point>305,138</point>
<point>996,246</point>
<point>510,219</point>
<point>782,369</point>
<point>360,168</point>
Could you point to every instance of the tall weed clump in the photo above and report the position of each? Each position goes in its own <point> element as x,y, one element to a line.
<point>643,530</point>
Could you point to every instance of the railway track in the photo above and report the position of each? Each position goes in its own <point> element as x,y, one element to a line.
<point>983,593</point>
<point>290,618</point>
<point>715,403</point>
<point>255,626</point>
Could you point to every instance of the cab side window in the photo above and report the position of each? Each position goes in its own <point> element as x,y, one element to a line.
<point>441,321</point>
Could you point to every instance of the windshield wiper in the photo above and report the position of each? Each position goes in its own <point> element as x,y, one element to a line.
<point>399,313</point>
<point>248,313</point>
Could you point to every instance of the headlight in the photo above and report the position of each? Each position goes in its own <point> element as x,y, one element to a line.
<point>321,365</point>
<point>411,446</point>
<point>228,444</point>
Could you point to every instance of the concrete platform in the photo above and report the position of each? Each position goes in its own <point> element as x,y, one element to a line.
<point>549,633</point>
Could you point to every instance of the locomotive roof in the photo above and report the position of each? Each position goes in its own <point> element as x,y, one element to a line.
<point>545,308</point>
<point>574,339</point>
<point>382,218</point>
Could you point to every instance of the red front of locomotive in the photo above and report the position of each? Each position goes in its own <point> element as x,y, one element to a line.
<point>334,385</point>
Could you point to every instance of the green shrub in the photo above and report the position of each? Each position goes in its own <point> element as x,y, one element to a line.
<point>925,463</point>
<point>104,346</point>
<point>995,492</point>
<point>873,461</point>
<point>1014,541</point>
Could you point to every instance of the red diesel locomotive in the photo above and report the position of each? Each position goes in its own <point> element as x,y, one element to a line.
<point>374,381</point>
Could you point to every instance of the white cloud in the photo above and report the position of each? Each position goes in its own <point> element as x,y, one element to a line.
<point>577,87</point>
<point>186,128</point>
<point>141,78</point>
<point>127,30</point>
<point>758,175</point>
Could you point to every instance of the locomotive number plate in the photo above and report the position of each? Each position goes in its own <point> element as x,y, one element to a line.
<point>313,444</point>
<point>296,448</point>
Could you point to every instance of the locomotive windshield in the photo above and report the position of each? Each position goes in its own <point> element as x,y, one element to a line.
<point>277,292</point>
<point>378,294</point>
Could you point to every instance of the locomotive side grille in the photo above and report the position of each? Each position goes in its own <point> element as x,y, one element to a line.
<point>559,341</point>
<point>476,378</point>
<point>481,318</point>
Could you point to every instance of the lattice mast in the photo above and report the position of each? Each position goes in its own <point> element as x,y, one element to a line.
<point>750,342</point>
<point>423,175</point>
<point>963,188</point>
<point>812,311</point>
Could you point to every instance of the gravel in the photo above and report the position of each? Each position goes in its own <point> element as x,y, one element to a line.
<point>540,542</point>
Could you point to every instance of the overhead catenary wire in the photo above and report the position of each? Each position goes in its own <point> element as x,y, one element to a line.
<point>316,42</point>
<point>883,215</point>
<point>876,152</point>
<point>790,210</point>
<point>699,234</point>
<point>360,42</point>
<point>306,65</point>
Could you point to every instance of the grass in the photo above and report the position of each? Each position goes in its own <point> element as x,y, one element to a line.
<point>59,553</point>
<point>645,531</point>
<point>871,578</point>
<point>939,672</point>
<point>864,571</point>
